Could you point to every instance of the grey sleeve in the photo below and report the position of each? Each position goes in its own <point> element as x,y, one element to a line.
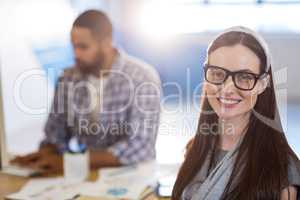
<point>294,173</point>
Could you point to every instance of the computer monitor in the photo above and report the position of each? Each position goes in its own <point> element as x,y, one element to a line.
<point>3,153</point>
<point>5,165</point>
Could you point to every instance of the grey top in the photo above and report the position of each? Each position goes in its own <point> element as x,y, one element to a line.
<point>293,177</point>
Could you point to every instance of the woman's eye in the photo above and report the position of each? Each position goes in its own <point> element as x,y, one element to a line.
<point>246,77</point>
<point>218,73</point>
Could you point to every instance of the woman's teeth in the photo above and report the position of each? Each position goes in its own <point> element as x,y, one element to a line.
<point>229,101</point>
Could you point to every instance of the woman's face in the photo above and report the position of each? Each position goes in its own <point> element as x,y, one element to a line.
<point>226,100</point>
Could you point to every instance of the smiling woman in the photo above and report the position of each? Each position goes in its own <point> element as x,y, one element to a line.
<point>245,155</point>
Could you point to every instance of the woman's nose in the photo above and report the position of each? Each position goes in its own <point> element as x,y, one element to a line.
<point>228,85</point>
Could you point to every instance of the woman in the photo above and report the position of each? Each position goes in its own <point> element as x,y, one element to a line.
<point>240,151</point>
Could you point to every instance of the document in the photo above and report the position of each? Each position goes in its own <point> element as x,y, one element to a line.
<point>129,182</point>
<point>47,188</point>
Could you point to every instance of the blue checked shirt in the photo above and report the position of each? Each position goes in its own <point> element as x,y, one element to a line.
<point>118,112</point>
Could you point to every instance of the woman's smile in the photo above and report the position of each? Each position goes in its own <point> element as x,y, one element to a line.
<point>228,103</point>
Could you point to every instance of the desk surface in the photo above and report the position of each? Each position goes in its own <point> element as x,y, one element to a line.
<point>10,184</point>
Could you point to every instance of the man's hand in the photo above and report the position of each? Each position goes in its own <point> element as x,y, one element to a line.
<point>49,164</point>
<point>45,160</point>
<point>100,159</point>
<point>28,159</point>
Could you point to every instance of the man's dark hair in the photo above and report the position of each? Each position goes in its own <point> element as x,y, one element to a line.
<point>96,21</point>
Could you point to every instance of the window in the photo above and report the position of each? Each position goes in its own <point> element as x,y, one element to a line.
<point>276,16</point>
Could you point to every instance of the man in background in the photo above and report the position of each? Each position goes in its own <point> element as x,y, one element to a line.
<point>109,102</point>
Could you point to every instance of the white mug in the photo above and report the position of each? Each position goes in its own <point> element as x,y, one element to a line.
<point>76,166</point>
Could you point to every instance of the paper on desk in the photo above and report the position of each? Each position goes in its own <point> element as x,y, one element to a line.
<point>143,172</point>
<point>47,188</point>
<point>129,182</point>
<point>149,171</point>
<point>123,182</point>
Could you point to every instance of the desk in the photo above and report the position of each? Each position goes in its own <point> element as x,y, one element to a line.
<point>10,184</point>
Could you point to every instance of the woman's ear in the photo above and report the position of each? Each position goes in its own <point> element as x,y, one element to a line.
<point>263,84</point>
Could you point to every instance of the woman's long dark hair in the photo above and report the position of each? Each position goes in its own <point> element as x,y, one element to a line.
<point>264,151</point>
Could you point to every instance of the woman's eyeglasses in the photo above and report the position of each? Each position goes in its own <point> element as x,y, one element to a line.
<point>242,80</point>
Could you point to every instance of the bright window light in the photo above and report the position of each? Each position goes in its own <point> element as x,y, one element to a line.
<point>165,19</point>
<point>35,19</point>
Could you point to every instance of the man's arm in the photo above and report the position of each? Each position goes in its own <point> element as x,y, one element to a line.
<point>143,121</point>
<point>55,130</point>
<point>34,157</point>
<point>103,159</point>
